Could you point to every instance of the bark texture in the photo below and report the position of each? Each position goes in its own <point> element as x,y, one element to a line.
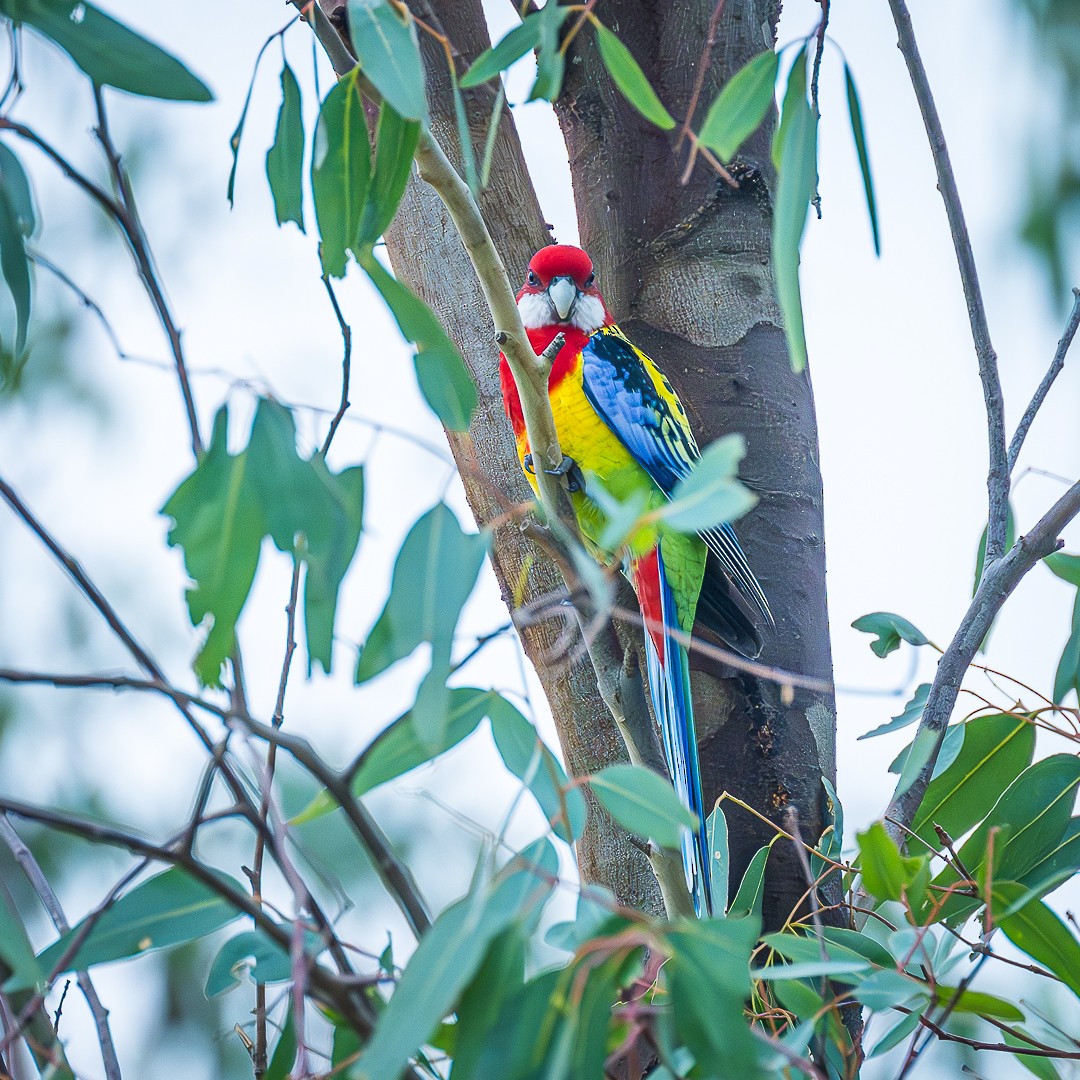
<point>687,271</point>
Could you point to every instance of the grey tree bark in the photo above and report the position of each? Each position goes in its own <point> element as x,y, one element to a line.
<point>686,268</point>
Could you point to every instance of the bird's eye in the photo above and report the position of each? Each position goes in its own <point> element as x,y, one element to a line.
<point>590,281</point>
<point>532,279</point>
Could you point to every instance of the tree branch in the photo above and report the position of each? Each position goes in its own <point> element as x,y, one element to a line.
<point>997,480</point>
<point>997,583</point>
<point>1048,380</point>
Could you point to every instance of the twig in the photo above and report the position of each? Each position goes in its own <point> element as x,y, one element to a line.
<point>997,480</point>
<point>127,217</point>
<point>1048,380</point>
<point>703,67</point>
<point>346,367</point>
<point>1035,1050</point>
<point>34,874</point>
<point>997,584</point>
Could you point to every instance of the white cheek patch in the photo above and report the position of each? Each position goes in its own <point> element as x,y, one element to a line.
<point>588,314</point>
<point>536,310</point>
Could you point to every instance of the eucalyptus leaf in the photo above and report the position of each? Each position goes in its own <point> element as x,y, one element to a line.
<point>741,106</point>
<point>384,38</point>
<point>509,50</point>
<point>858,133</point>
<point>890,630</point>
<point>627,75</point>
<point>912,714</point>
<point>644,803</point>
<point>285,158</point>
<point>710,494</point>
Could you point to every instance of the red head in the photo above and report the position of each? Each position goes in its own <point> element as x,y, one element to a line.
<point>560,291</point>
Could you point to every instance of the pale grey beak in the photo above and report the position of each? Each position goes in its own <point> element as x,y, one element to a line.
<point>563,294</point>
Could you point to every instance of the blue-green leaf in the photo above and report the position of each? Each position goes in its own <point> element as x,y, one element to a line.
<point>741,106</point>
<point>710,494</point>
<point>912,713</point>
<point>508,51</point>
<point>627,75</point>
<point>285,158</point>
<point>109,52</point>
<point>385,42</point>
<point>795,149</point>
<point>859,135</point>
<point>890,630</point>
<point>1067,675</point>
<point>644,803</point>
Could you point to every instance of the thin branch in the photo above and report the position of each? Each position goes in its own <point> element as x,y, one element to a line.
<point>702,68</point>
<point>1040,1050</point>
<point>127,217</point>
<point>1048,380</point>
<point>997,480</point>
<point>49,900</point>
<point>346,367</point>
<point>996,585</point>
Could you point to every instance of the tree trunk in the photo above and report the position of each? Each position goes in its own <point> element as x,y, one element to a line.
<point>687,271</point>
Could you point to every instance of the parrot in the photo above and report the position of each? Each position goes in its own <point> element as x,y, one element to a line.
<point>620,424</point>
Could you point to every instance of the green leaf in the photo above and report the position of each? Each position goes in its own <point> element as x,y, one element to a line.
<point>1037,931</point>
<point>526,756</point>
<point>710,495</point>
<point>389,55</point>
<point>886,873</point>
<point>977,1002</point>
<point>918,755</point>
<point>627,75</point>
<point>1066,567</point>
<point>508,51</point>
<point>434,574</point>
<point>550,61</point>
<point>280,1067</point>
<point>595,914</point>
<point>465,141</point>
<point>1043,1068</point>
<point>741,106</point>
<point>13,259</point>
<point>889,989</point>
<point>895,1034</point>
<point>751,889</point>
<point>250,951</point>
<point>716,831</point>
<point>806,949</point>
<point>1058,864</point>
<point>446,959</point>
<point>285,158</point>
<point>795,150</point>
<point>234,139</point>
<point>16,186</point>
<point>857,943</point>
<point>859,135</point>
<point>912,713</point>
<point>996,750</point>
<point>110,53</point>
<point>395,145</point>
<point>17,960</point>
<point>444,381</point>
<point>340,172</point>
<point>168,909</point>
<point>709,978</point>
<point>1067,676</point>
<point>950,748</point>
<point>809,969</point>
<point>890,630</point>
<point>644,803</point>
<point>219,523</point>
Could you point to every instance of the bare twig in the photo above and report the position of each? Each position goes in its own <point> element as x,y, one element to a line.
<point>346,367</point>
<point>997,480</point>
<point>702,69</point>
<point>40,883</point>
<point>1048,380</point>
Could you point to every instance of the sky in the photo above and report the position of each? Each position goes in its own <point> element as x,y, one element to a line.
<point>903,447</point>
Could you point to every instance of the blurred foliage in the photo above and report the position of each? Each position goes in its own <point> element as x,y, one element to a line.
<point>1050,223</point>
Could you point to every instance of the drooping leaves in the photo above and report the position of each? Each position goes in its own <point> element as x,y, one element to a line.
<point>550,60</point>
<point>508,51</point>
<point>17,222</point>
<point>1036,930</point>
<point>440,371</point>
<point>285,158</point>
<point>643,802</point>
<point>795,154</point>
<point>222,511</point>
<point>433,576</point>
<point>741,106</point>
<point>340,172</point>
<point>384,38</point>
<point>395,145</point>
<point>627,75</point>
<point>890,630</point>
<point>858,133</point>
<point>108,51</point>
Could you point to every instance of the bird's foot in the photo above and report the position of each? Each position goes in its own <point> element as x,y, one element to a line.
<point>568,468</point>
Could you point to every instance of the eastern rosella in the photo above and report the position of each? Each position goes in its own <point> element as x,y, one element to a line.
<point>619,421</point>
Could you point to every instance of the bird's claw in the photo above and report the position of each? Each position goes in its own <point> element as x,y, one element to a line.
<point>568,468</point>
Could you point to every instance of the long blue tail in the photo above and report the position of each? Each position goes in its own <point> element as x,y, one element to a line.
<point>669,686</point>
